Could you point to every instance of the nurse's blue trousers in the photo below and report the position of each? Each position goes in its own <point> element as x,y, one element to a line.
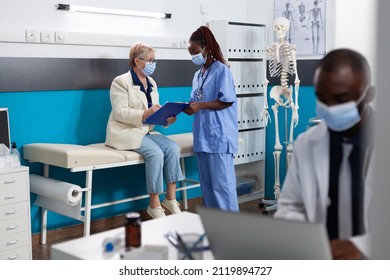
<point>218,180</point>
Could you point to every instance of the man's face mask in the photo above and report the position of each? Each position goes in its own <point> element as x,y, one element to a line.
<point>340,117</point>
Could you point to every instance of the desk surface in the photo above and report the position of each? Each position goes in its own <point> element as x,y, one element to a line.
<point>152,233</point>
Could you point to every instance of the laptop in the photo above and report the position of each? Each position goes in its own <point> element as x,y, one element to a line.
<point>250,236</point>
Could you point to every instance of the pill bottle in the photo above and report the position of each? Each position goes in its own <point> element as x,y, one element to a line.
<point>133,230</point>
<point>110,244</point>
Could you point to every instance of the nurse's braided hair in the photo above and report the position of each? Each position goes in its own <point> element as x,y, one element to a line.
<point>205,38</point>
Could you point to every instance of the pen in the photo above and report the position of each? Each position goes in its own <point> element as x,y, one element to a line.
<point>187,252</point>
<point>195,245</point>
<point>171,239</point>
<point>174,243</point>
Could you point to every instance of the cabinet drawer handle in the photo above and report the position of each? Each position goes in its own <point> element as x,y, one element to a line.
<point>10,212</point>
<point>13,258</point>
<point>11,227</point>
<point>10,181</point>
<point>10,243</point>
<point>10,197</point>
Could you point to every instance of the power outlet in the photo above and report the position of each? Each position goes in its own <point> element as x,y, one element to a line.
<point>59,37</point>
<point>203,8</point>
<point>175,44</point>
<point>47,37</point>
<point>183,43</point>
<point>32,36</point>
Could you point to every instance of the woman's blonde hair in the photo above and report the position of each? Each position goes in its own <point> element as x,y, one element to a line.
<point>140,50</point>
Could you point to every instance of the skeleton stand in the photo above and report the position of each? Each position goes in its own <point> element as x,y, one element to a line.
<point>282,61</point>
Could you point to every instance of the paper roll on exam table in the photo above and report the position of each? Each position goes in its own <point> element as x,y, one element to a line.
<point>58,196</point>
<point>54,189</point>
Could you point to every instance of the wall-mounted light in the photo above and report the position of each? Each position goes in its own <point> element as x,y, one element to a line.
<point>76,8</point>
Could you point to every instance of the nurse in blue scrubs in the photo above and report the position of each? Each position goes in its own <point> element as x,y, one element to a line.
<point>213,103</point>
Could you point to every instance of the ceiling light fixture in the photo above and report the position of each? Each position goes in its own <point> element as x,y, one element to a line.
<point>85,9</point>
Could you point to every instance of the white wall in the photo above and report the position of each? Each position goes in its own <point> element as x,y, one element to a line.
<point>185,16</point>
<point>351,23</point>
<point>262,12</point>
<point>20,15</point>
<point>355,24</point>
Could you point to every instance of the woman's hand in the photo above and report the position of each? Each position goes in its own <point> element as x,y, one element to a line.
<point>150,111</point>
<point>171,120</point>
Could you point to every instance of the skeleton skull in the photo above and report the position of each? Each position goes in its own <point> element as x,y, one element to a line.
<point>281,26</point>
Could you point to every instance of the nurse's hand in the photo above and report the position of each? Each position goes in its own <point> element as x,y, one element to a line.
<point>193,108</point>
<point>344,250</point>
<point>150,111</point>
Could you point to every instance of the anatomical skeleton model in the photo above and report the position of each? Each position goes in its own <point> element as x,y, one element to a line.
<point>282,61</point>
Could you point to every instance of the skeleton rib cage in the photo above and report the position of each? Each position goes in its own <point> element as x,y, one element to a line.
<point>281,62</point>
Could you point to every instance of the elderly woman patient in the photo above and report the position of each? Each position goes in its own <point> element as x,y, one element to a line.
<point>134,97</point>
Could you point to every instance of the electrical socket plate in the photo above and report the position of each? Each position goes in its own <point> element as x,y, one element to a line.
<point>174,44</point>
<point>47,37</point>
<point>203,9</point>
<point>59,37</point>
<point>183,43</point>
<point>32,36</point>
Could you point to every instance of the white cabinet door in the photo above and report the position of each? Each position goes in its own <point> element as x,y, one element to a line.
<point>254,145</point>
<point>258,40</point>
<point>251,108</point>
<point>240,157</point>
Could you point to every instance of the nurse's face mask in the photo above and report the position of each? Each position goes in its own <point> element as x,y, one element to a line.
<point>198,59</point>
<point>340,117</point>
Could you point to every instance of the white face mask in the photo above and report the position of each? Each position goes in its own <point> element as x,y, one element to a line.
<point>198,59</point>
<point>340,117</point>
<point>149,68</point>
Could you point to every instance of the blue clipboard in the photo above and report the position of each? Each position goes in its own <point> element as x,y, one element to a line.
<point>169,109</point>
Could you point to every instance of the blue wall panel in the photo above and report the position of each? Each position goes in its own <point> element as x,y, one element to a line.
<point>80,117</point>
